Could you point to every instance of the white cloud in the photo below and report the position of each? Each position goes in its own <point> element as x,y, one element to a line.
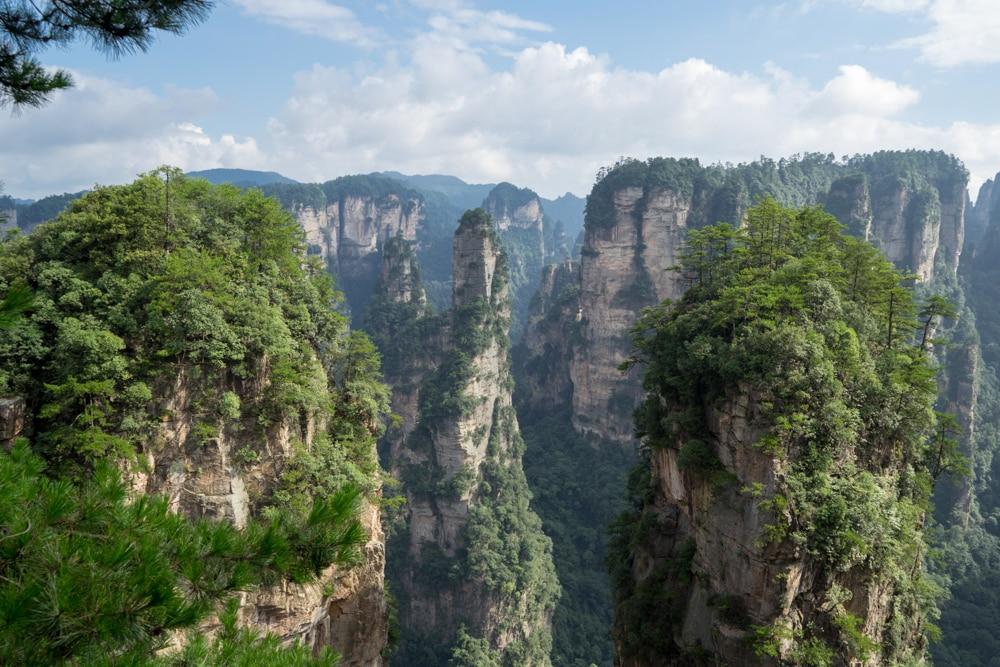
<point>555,115</point>
<point>857,91</point>
<point>548,118</point>
<point>314,17</point>
<point>961,31</point>
<point>101,131</point>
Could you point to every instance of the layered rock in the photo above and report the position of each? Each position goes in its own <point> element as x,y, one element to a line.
<point>459,456</point>
<point>544,354</point>
<point>348,221</point>
<point>210,467</point>
<point>909,204</point>
<point>14,418</point>
<point>722,590</point>
<point>520,220</point>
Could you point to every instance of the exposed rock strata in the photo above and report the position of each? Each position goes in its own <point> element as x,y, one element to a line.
<point>229,475</point>
<point>522,226</point>
<point>637,221</point>
<point>458,450</point>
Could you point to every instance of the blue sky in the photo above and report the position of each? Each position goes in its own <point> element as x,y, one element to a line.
<point>539,93</point>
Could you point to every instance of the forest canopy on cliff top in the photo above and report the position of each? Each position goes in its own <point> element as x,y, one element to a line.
<point>133,287</point>
<point>832,337</point>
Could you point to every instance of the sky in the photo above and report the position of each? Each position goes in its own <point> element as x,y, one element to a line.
<point>540,93</point>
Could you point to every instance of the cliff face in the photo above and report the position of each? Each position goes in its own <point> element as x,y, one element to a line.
<point>209,466</point>
<point>911,205</point>
<point>347,222</point>
<point>624,267</point>
<point>543,357</point>
<point>708,564</point>
<point>458,451</point>
<point>773,522</point>
<point>520,220</point>
<point>240,390</point>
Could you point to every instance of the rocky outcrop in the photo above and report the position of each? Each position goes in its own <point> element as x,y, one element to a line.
<point>219,468</point>
<point>13,419</point>
<point>543,356</point>
<point>348,221</point>
<point>910,204</point>
<point>725,591</point>
<point>459,458</point>
<point>343,609</point>
<point>8,219</point>
<point>520,221</point>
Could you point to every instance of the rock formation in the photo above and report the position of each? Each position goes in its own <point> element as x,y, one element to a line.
<point>473,569</point>
<point>522,226</point>
<point>911,205</point>
<point>543,356</point>
<point>209,466</point>
<point>347,222</point>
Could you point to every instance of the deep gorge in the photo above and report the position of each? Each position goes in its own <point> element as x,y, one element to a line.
<point>500,333</point>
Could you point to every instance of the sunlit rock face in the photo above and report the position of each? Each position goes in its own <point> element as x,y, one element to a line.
<point>911,205</point>
<point>457,448</point>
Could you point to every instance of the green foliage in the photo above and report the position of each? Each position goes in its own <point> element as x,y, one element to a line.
<point>137,284</point>
<point>89,573</point>
<point>139,289</point>
<point>15,302</point>
<point>116,28</point>
<point>244,647</point>
<point>825,331</point>
<point>470,651</point>
<point>502,548</point>
<point>576,502</point>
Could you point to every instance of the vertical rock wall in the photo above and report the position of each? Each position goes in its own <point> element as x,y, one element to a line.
<point>458,451</point>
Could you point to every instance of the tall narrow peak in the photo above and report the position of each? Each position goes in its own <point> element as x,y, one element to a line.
<point>473,569</point>
<point>978,214</point>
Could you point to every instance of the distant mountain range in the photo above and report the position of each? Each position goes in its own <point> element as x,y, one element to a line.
<point>241,177</point>
<point>568,208</point>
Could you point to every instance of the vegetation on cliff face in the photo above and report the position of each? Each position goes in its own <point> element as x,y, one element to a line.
<point>133,287</point>
<point>723,192</point>
<point>504,560</point>
<point>825,332</point>
<point>970,539</point>
<point>576,482</point>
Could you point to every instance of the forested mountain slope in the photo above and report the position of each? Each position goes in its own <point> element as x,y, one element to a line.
<point>179,334</point>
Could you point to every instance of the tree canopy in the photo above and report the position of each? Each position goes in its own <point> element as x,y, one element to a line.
<point>102,310</point>
<point>829,339</point>
<point>116,27</point>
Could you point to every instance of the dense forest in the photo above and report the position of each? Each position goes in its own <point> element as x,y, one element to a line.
<point>134,289</point>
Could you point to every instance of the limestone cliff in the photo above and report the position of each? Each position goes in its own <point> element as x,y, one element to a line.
<point>520,221</point>
<point>910,204</point>
<point>776,519</point>
<point>347,222</point>
<point>240,389</point>
<point>472,569</point>
<point>217,467</point>
<point>543,355</point>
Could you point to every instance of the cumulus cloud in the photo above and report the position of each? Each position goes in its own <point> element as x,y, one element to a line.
<point>314,17</point>
<point>555,115</point>
<point>857,91</point>
<point>101,131</point>
<point>961,31</point>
